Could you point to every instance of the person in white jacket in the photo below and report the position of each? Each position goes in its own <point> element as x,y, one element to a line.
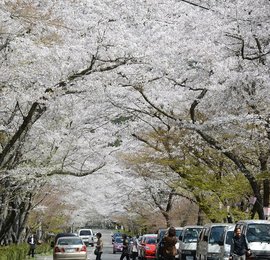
<point>135,247</point>
<point>99,246</point>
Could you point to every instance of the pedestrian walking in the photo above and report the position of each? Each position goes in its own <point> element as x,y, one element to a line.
<point>239,246</point>
<point>135,247</point>
<point>32,241</point>
<point>99,246</point>
<point>125,248</point>
<point>170,240</point>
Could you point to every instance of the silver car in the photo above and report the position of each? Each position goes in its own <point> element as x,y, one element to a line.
<point>69,248</point>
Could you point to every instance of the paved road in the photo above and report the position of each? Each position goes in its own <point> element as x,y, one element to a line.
<point>107,254</point>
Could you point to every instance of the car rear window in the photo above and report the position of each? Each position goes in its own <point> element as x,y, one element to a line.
<point>118,240</point>
<point>70,241</point>
<point>85,233</point>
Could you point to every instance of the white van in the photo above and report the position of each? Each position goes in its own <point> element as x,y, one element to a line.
<point>257,233</point>
<point>188,241</point>
<point>225,247</point>
<point>86,234</point>
<point>210,239</point>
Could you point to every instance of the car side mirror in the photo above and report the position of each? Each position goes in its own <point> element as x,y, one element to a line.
<point>180,237</point>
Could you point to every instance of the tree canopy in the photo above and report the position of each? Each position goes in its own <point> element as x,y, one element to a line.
<point>83,82</point>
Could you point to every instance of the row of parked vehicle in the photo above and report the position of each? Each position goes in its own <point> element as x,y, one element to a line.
<point>209,242</point>
<point>214,241</point>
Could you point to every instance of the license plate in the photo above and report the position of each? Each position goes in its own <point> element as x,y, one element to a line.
<point>70,250</point>
<point>189,258</point>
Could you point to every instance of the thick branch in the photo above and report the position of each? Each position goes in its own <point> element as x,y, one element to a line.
<point>138,88</point>
<point>27,121</point>
<point>252,181</point>
<point>194,4</point>
<point>195,103</point>
<point>80,174</point>
<point>242,49</point>
<point>146,142</point>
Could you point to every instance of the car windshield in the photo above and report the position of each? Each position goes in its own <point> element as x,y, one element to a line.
<point>229,237</point>
<point>161,234</point>
<point>178,232</point>
<point>85,233</point>
<point>150,240</point>
<point>118,240</point>
<point>258,233</point>
<point>70,241</point>
<point>191,235</point>
<point>216,234</point>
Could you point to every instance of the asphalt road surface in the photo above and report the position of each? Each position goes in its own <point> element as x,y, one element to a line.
<point>107,250</point>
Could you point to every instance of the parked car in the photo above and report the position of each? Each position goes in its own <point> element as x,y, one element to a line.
<point>210,239</point>
<point>257,233</point>
<point>117,244</point>
<point>87,235</point>
<point>225,247</point>
<point>69,248</point>
<point>148,247</point>
<point>159,246</point>
<point>188,241</point>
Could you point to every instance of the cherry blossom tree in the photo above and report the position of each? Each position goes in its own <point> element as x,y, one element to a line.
<point>79,77</point>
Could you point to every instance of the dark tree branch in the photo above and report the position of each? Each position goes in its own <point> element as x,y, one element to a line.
<point>194,4</point>
<point>146,142</point>
<point>139,88</point>
<point>34,113</point>
<point>80,174</point>
<point>195,104</point>
<point>252,180</point>
<point>259,56</point>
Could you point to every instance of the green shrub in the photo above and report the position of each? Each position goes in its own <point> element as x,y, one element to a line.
<point>19,252</point>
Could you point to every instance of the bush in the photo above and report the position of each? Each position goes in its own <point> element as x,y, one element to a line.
<point>19,252</point>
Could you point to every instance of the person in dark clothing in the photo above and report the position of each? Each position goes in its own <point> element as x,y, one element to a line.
<point>239,246</point>
<point>169,249</point>
<point>125,248</point>
<point>32,241</point>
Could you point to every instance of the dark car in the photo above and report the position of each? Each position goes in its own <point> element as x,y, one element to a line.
<point>62,235</point>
